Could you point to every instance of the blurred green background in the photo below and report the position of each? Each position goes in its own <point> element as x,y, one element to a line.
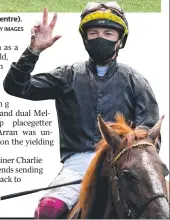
<point>75,5</point>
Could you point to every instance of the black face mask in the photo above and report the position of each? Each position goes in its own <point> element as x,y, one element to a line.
<point>101,50</point>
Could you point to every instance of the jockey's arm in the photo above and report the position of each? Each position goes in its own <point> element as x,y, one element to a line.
<point>146,111</point>
<point>20,83</point>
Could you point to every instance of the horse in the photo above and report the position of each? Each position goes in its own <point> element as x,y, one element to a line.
<point>126,178</point>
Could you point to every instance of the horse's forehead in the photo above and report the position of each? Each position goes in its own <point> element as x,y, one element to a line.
<point>151,172</point>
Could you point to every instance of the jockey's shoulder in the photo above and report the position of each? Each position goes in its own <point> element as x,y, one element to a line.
<point>130,71</point>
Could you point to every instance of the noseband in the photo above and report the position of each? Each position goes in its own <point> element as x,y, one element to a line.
<point>131,213</point>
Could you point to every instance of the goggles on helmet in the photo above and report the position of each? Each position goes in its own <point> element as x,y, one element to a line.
<point>94,6</point>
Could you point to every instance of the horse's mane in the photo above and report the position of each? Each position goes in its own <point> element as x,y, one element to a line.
<point>90,180</point>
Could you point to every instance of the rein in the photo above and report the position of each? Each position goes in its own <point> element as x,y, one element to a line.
<point>130,211</point>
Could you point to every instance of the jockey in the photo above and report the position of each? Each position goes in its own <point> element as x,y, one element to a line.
<point>81,91</point>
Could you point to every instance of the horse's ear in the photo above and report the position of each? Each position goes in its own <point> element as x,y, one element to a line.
<point>155,131</point>
<point>108,133</point>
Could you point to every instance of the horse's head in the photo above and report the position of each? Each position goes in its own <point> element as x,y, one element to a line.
<point>137,174</point>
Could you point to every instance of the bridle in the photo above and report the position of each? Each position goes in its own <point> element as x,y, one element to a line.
<point>131,213</point>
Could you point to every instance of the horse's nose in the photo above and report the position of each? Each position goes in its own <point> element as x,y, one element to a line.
<point>157,209</point>
<point>163,208</point>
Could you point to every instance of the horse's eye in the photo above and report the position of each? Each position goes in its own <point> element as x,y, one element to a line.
<point>128,175</point>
